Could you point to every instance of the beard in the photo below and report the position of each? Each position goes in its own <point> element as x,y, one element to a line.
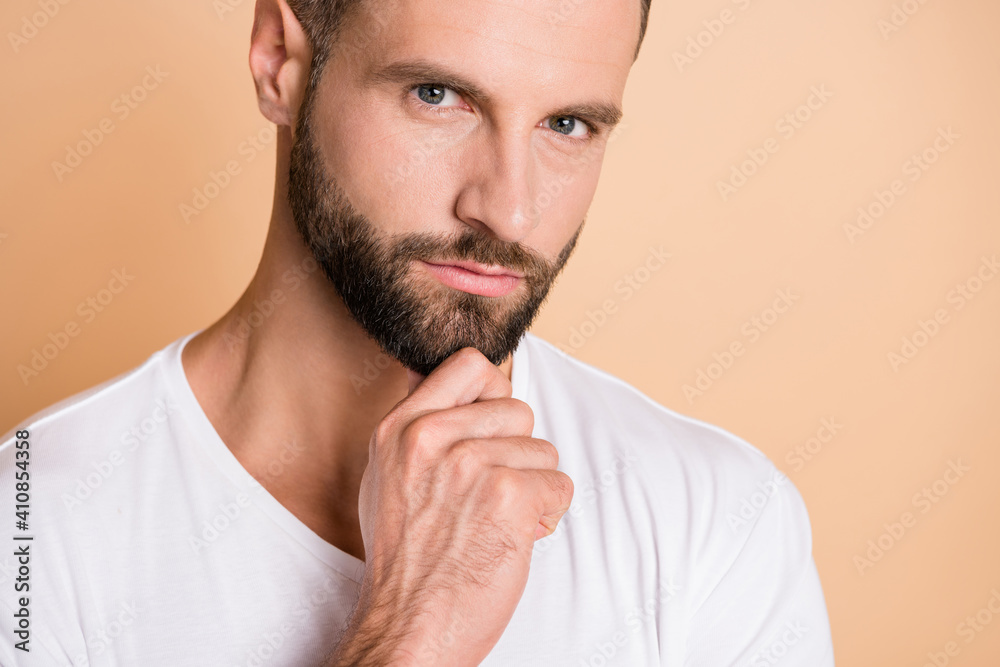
<point>414,319</point>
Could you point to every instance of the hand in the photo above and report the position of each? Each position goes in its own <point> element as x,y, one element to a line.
<point>454,496</point>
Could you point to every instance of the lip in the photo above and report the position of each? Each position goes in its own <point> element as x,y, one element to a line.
<point>481,269</point>
<point>475,278</point>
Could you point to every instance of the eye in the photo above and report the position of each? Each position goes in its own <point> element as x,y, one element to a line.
<point>567,125</point>
<point>435,95</point>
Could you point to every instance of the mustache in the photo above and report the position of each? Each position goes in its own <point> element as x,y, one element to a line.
<point>473,246</point>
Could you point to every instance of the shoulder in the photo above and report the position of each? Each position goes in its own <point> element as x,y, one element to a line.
<point>720,492</point>
<point>55,461</point>
<point>707,454</point>
<point>76,432</point>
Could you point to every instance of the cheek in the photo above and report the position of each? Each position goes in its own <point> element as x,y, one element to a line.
<point>572,192</point>
<point>561,202</point>
<point>398,178</point>
<point>566,180</point>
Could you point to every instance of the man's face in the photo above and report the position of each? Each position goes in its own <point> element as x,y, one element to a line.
<point>397,170</point>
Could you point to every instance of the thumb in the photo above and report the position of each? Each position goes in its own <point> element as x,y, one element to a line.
<point>413,378</point>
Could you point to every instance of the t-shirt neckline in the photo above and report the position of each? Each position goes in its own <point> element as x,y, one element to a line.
<point>212,444</point>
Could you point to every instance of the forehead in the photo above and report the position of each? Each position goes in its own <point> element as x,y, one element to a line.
<point>565,46</point>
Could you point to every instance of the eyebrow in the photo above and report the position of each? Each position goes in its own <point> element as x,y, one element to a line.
<point>604,114</point>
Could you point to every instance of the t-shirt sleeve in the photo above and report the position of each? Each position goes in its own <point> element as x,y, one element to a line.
<point>767,607</point>
<point>54,634</point>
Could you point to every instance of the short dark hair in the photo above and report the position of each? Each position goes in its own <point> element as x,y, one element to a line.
<point>324,21</point>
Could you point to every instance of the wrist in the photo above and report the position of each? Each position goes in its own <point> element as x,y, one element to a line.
<point>374,637</point>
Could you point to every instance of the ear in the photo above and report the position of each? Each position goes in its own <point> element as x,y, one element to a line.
<point>280,57</point>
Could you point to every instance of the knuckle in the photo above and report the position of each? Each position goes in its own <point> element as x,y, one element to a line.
<point>549,451</point>
<point>505,488</point>
<point>465,460</point>
<point>419,436</point>
<point>384,430</point>
<point>496,417</point>
<point>562,484</point>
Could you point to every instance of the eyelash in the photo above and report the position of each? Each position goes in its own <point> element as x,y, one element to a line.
<point>592,129</point>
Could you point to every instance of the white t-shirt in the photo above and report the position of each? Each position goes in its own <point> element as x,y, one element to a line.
<point>153,546</point>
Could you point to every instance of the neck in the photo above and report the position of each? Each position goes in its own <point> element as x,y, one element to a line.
<point>288,376</point>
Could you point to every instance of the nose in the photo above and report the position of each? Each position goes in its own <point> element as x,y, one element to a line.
<point>498,187</point>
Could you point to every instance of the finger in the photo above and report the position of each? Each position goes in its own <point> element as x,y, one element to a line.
<point>510,452</point>
<point>547,525</point>
<point>492,418</point>
<point>464,377</point>
<point>548,494</point>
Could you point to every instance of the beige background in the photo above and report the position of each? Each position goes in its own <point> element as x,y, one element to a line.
<point>685,128</point>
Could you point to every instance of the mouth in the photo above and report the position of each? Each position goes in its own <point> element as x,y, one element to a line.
<point>475,278</point>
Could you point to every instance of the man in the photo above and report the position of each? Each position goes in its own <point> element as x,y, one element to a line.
<point>367,461</point>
